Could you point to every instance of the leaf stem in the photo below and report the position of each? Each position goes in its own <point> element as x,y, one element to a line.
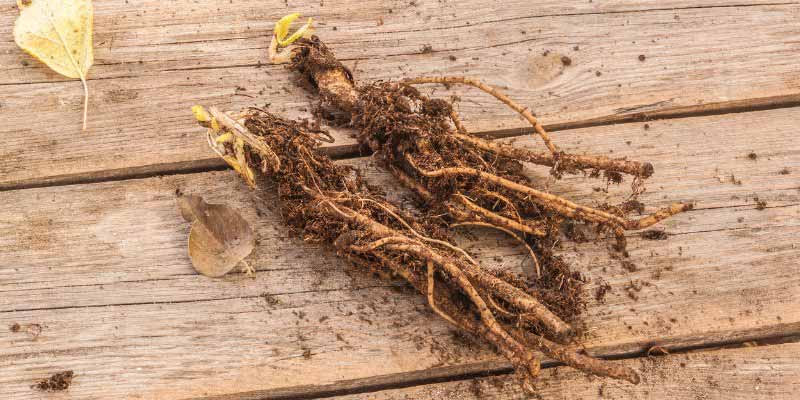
<point>85,101</point>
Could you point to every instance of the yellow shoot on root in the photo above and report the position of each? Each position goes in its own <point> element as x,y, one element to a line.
<point>224,138</point>
<point>201,114</point>
<point>282,29</point>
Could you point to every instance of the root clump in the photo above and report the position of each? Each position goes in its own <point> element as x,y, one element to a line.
<point>461,180</point>
<point>330,203</point>
<point>473,181</point>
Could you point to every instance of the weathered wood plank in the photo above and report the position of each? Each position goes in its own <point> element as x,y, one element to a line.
<point>102,268</point>
<point>141,319</point>
<point>764,372</point>
<point>194,53</point>
<point>148,35</point>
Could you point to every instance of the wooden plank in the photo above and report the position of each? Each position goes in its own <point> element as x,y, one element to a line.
<point>763,372</point>
<point>192,53</point>
<point>134,36</point>
<point>102,269</point>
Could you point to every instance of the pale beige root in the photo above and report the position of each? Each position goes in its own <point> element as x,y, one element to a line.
<point>524,111</point>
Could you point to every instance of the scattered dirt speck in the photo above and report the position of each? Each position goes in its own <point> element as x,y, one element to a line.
<point>629,266</point>
<point>760,204</point>
<point>602,290</point>
<point>654,235</point>
<point>642,57</point>
<point>657,351</point>
<point>451,57</point>
<point>646,126</point>
<point>56,382</point>
<point>784,171</point>
<point>426,49</point>
<point>566,61</point>
<point>15,327</point>
<point>752,155</point>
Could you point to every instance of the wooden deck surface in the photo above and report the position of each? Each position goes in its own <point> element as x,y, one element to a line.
<point>94,275</point>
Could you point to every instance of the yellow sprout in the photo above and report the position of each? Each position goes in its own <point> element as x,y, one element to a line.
<point>224,138</point>
<point>201,114</point>
<point>282,29</point>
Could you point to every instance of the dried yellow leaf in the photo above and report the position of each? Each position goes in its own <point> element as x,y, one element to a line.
<point>59,34</point>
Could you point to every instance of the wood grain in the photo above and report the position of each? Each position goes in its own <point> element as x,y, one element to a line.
<point>102,269</point>
<point>156,59</point>
<point>764,372</point>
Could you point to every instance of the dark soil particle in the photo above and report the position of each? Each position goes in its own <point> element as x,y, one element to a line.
<point>642,57</point>
<point>760,204</point>
<point>56,382</point>
<point>451,57</point>
<point>654,235</point>
<point>15,327</point>
<point>629,266</point>
<point>427,49</point>
<point>784,171</point>
<point>601,291</point>
<point>566,61</point>
<point>752,155</point>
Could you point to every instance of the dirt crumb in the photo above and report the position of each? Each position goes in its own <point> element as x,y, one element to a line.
<point>654,235</point>
<point>602,290</point>
<point>760,204</point>
<point>784,171</point>
<point>629,266</point>
<point>657,351</point>
<point>752,156</point>
<point>642,57</point>
<point>15,327</point>
<point>56,382</point>
<point>566,61</point>
<point>426,49</point>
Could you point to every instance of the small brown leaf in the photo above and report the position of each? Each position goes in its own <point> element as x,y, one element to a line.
<point>220,238</point>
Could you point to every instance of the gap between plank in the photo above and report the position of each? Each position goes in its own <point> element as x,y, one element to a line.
<point>353,151</point>
<point>485,369</point>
